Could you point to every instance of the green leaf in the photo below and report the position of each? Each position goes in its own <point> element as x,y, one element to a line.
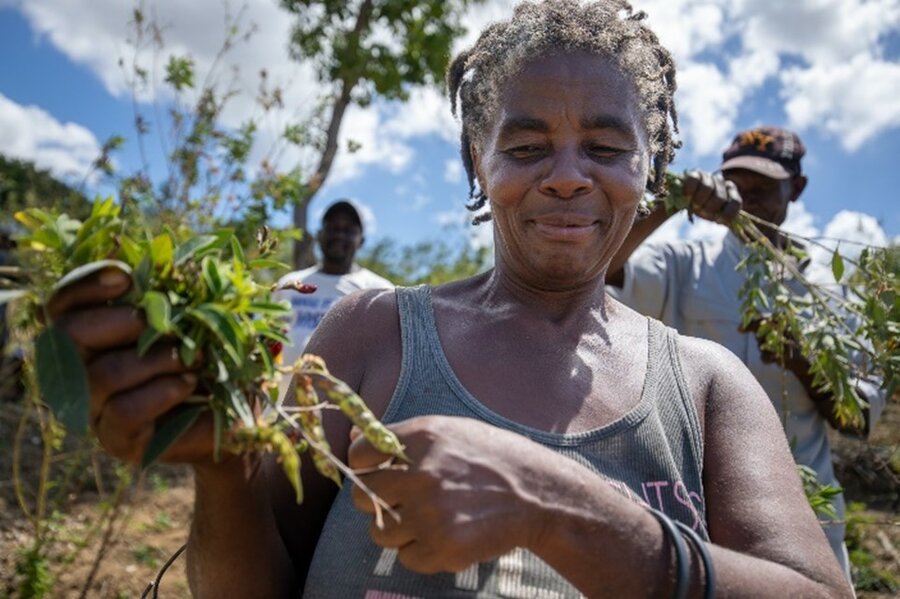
<point>837,265</point>
<point>143,274</point>
<point>131,250</point>
<point>272,334</point>
<point>237,251</point>
<point>159,312</point>
<point>269,308</point>
<point>240,405</point>
<point>211,276</point>
<point>261,263</point>
<point>162,252</point>
<point>62,379</point>
<point>193,246</point>
<point>220,323</point>
<point>169,428</point>
<point>147,339</point>
<point>81,272</point>
<point>8,295</point>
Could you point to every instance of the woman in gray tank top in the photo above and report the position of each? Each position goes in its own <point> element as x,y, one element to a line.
<point>560,444</point>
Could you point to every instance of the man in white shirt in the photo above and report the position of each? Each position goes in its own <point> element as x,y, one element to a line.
<point>694,287</point>
<point>339,238</point>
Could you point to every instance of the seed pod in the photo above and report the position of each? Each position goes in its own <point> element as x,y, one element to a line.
<point>353,406</point>
<point>290,460</point>
<point>311,421</point>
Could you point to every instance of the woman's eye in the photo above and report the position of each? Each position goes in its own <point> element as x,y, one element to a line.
<point>526,151</point>
<point>604,151</point>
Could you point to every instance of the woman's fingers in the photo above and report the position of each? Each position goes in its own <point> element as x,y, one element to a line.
<point>98,288</point>
<point>98,328</point>
<point>115,372</point>
<point>125,422</point>
<point>392,534</point>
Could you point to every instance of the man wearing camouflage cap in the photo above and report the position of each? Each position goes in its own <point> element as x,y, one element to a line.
<point>694,287</point>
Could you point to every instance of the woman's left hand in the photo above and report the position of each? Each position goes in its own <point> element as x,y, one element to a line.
<point>468,494</point>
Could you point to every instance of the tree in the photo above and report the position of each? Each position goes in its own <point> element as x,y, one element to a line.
<point>427,262</point>
<point>23,185</point>
<point>355,65</point>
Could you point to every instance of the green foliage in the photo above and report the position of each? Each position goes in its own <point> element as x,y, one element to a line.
<point>429,262</point>
<point>866,577</point>
<point>820,497</point>
<point>60,376</point>
<point>340,38</point>
<point>200,291</point>
<point>33,571</point>
<point>844,338</point>
<point>180,72</point>
<point>22,185</point>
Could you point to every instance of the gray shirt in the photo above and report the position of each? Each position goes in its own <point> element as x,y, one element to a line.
<point>652,455</point>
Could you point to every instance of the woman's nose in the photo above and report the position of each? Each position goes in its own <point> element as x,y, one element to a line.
<point>567,178</point>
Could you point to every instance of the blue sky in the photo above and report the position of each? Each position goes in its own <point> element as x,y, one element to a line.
<point>828,68</point>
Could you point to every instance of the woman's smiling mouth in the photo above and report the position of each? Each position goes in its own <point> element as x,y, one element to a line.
<point>565,227</point>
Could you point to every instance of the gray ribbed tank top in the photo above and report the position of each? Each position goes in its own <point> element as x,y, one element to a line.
<point>652,455</point>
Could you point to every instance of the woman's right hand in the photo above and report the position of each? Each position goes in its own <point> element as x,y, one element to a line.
<point>128,392</point>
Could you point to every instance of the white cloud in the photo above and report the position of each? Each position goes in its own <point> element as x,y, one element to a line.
<point>426,113</point>
<point>820,31</point>
<point>364,127</point>
<point>853,101</point>
<point>479,236</point>
<point>800,221</point>
<point>725,51</point>
<point>30,133</point>
<point>453,170</point>
<point>687,27</point>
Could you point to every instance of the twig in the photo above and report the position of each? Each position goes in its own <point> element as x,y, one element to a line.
<point>17,465</point>
<point>815,293</point>
<point>322,406</point>
<point>888,546</point>
<point>154,584</point>
<point>106,542</point>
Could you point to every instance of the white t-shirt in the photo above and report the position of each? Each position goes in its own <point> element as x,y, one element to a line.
<point>307,310</point>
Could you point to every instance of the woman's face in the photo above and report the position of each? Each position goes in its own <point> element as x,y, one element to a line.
<point>564,165</point>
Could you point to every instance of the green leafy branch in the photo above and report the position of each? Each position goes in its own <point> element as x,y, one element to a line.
<point>198,291</point>
<point>845,337</point>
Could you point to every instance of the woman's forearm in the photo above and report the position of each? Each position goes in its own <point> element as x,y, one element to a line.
<point>608,546</point>
<point>234,549</point>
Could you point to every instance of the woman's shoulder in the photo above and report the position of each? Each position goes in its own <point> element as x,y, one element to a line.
<point>358,333</point>
<point>366,312</point>
<point>718,379</point>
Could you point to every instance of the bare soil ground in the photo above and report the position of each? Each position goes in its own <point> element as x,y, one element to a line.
<point>91,558</point>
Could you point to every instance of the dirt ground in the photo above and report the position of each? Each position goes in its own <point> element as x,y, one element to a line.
<point>89,559</point>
